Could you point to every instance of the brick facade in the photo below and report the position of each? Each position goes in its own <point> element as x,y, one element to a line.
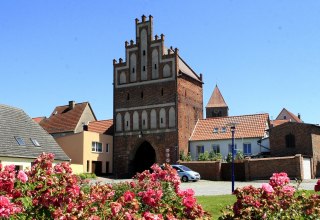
<point>156,101</point>
<point>306,138</point>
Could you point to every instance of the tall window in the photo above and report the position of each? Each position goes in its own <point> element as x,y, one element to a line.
<point>107,148</point>
<point>247,149</point>
<point>200,150</point>
<point>216,148</point>
<point>96,147</point>
<point>290,141</point>
<point>235,148</point>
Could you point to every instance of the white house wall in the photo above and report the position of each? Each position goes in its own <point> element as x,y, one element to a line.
<point>224,146</point>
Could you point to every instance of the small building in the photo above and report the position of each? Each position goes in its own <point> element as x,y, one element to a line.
<point>22,140</point>
<point>213,134</point>
<point>88,142</point>
<point>285,116</point>
<point>91,148</point>
<point>291,138</point>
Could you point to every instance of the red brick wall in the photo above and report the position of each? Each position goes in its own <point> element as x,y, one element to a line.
<point>316,154</point>
<point>264,168</point>
<point>307,142</point>
<point>126,146</point>
<point>190,109</point>
<point>209,170</point>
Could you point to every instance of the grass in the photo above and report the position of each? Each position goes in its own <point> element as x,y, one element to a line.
<point>213,204</point>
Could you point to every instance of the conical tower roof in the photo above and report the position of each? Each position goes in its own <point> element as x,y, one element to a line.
<point>216,99</point>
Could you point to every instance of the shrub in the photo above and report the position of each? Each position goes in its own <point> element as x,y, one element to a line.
<point>53,192</point>
<point>84,176</point>
<point>274,200</point>
<point>184,157</point>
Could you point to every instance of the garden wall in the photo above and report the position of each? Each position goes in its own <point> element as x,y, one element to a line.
<point>209,170</point>
<point>263,168</point>
<point>249,169</point>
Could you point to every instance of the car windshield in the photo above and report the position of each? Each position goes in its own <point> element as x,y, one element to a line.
<point>184,168</point>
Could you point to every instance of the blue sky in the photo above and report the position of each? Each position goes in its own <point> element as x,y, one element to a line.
<point>264,55</point>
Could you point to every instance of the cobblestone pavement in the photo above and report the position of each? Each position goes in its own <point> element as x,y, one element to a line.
<point>206,187</point>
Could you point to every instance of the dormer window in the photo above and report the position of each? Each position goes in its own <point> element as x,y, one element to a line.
<point>215,130</point>
<point>35,142</point>
<point>223,130</point>
<point>20,141</point>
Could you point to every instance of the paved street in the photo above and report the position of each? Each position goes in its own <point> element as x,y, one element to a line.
<point>206,187</point>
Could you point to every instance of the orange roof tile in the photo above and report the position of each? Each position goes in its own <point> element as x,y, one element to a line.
<point>275,123</point>
<point>102,126</point>
<point>293,116</point>
<point>247,126</point>
<point>38,119</point>
<point>216,99</point>
<point>63,119</point>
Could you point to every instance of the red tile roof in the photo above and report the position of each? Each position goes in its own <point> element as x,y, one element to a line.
<point>216,99</point>
<point>64,119</point>
<point>293,116</point>
<point>275,123</point>
<point>38,119</point>
<point>102,126</point>
<point>247,126</point>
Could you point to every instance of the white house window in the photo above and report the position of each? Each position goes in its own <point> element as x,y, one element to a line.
<point>223,130</point>
<point>235,148</point>
<point>35,142</point>
<point>247,149</point>
<point>216,148</point>
<point>215,130</point>
<point>20,141</point>
<point>107,148</point>
<point>96,147</point>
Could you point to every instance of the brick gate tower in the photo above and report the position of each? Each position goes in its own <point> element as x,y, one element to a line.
<point>157,102</point>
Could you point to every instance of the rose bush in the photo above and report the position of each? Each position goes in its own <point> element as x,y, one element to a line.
<point>53,192</point>
<point>274,200</point>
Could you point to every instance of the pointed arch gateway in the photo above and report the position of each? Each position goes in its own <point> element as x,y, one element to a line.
<point>144,158</point>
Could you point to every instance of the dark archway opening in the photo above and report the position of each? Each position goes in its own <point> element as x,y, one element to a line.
<point>145,157</point>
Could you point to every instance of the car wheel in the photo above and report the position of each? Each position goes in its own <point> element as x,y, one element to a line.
<point>184,179</point>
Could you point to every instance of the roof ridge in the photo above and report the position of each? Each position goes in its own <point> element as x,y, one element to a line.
<point>214,118</point>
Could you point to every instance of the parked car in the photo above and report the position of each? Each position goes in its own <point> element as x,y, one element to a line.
<point>186,173</point>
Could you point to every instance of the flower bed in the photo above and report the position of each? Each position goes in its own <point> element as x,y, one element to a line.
<point>274,200</point>
<point>53,192</point>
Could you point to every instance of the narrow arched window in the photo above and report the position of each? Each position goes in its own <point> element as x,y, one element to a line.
<point>123,78</point>
<point>155,58</point>
<point>172,117</point>
<point>127,121</point>
<point>133,65</point>
<point>135,119</point>
<point>144,119</point>
<point>166,71</point>
<point>162,116</point>
<point>153,119</point>
<point>118,122</point>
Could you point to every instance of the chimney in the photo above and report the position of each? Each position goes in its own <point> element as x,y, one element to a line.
<point>72,104</point>
<point>299,116</point>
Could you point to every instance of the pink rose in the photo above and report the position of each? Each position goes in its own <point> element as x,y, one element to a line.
<point>189,202</point>
<point>22,176</point>
<point>128,196</point>
<point>267,188</point>
<point>115,207</point>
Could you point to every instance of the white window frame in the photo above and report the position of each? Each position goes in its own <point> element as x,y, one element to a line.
<point>95,147</point>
